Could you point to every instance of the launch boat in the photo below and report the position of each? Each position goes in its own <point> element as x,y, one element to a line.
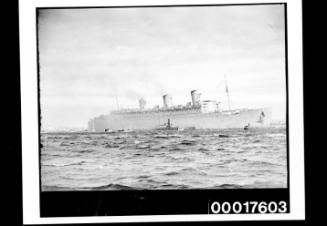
<point>167,126</point>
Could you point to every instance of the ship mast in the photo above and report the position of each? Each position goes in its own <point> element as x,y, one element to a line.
<point>227,93</point>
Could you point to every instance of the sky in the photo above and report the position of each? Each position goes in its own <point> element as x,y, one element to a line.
<point>93,61</point>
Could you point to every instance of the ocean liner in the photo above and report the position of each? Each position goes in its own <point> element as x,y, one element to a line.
<point>199,114</point>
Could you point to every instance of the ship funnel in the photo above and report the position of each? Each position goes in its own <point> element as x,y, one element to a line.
<point>167,101</point>
<point>142,103</point>
<point>196,98</point>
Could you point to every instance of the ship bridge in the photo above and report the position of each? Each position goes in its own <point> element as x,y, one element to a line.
<point>208,106</point>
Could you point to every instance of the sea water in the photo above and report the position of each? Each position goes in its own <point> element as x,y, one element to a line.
<point>152,159</point>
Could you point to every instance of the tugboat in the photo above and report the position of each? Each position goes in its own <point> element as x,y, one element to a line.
<point>246,127</point>
<point>167,126</point>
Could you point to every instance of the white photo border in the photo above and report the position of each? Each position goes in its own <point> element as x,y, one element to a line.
<point>30,127</point>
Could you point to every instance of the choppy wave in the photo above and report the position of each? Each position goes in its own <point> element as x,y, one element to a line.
<point>113,187</point>
<point>196,159</point>
<point>123,187</point>
<point>64,164</point>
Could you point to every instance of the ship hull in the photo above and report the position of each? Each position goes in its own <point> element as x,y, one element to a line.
<point>215,120</point>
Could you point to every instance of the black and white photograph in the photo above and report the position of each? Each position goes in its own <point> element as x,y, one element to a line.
<point>147,103</point>
<point>163,98</point>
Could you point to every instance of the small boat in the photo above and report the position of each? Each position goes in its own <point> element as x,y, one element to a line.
<point>109,131</point>
<point>246,127</point>
<point>167,126</point>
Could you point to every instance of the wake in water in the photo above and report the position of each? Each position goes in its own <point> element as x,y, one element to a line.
<point>197,159</point>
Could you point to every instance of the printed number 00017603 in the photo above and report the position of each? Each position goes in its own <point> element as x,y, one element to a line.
<point>248,207</point>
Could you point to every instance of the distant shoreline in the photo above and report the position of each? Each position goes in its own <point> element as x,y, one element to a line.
<point>273,125</point>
